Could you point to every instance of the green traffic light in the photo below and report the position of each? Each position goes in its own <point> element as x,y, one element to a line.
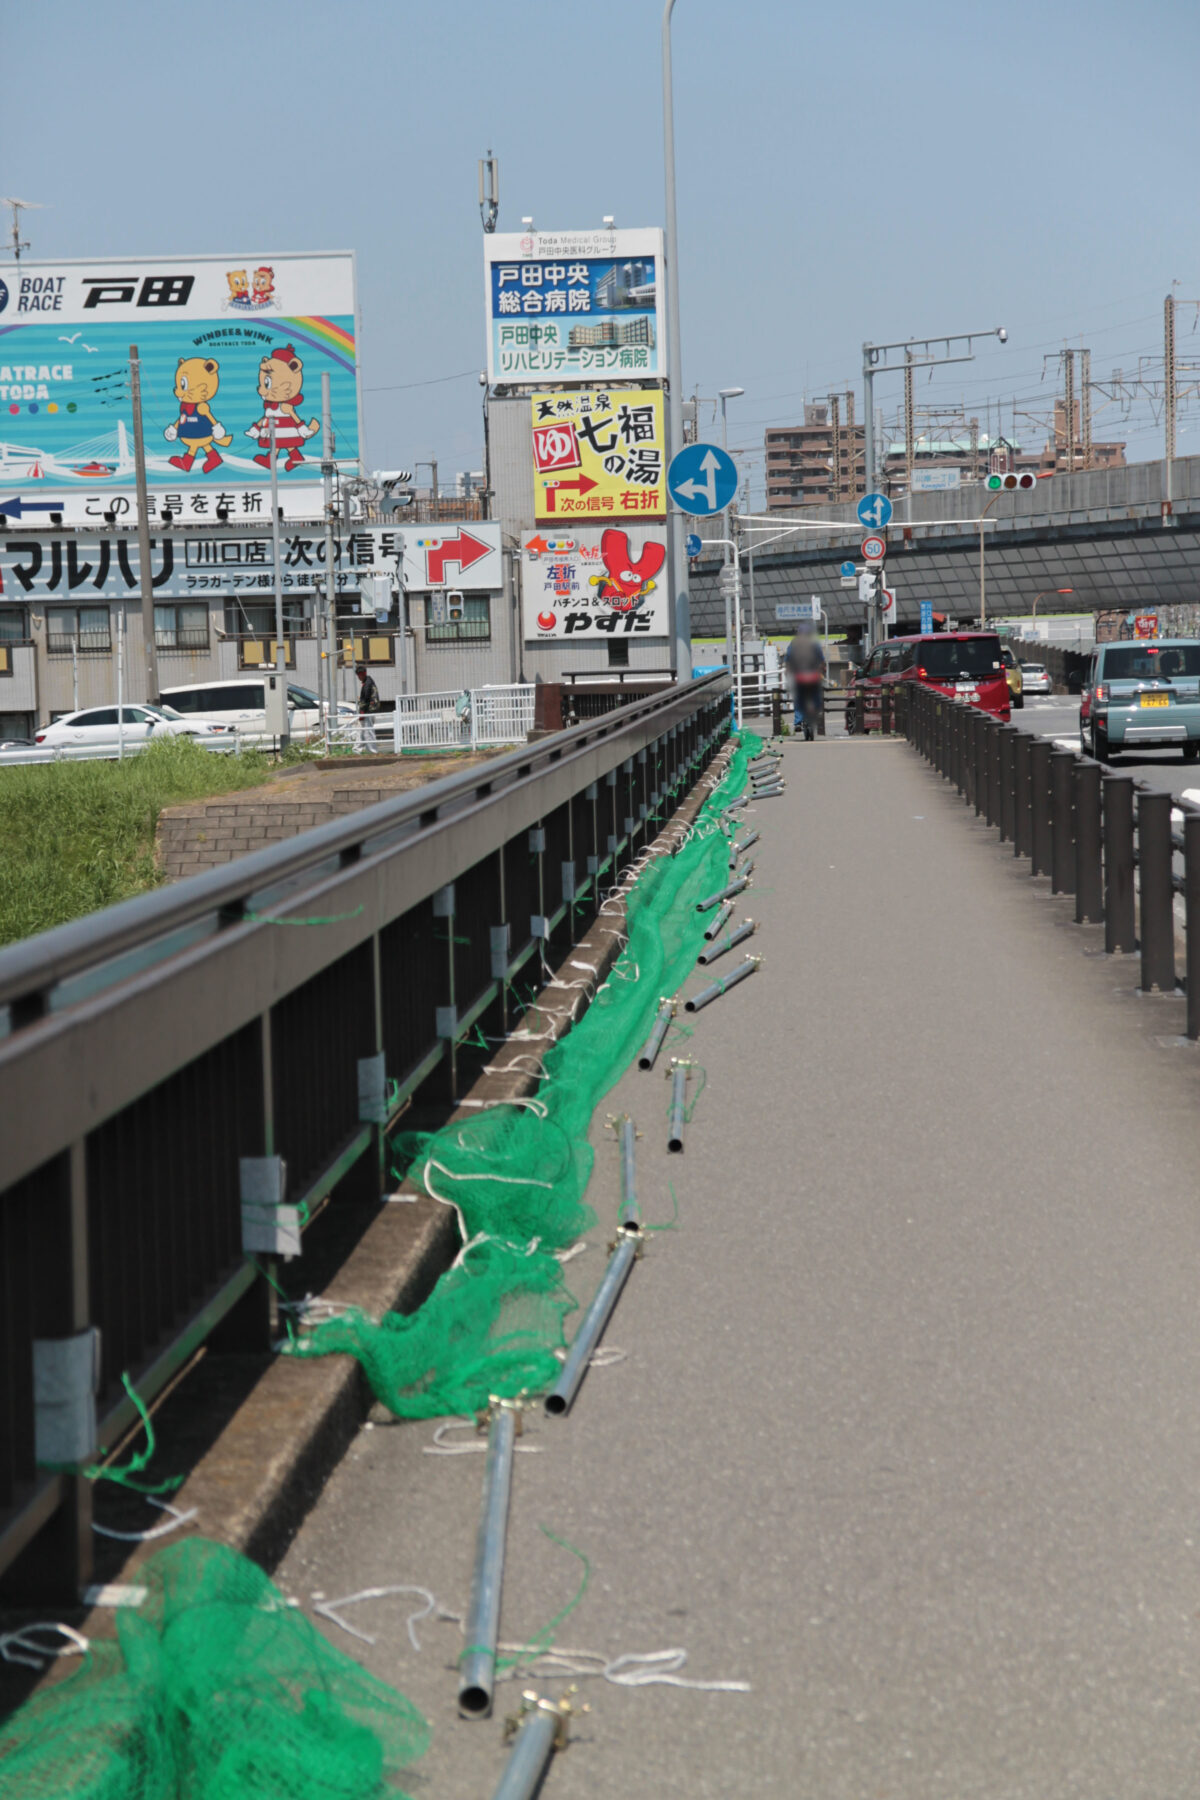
<point>994,482</point>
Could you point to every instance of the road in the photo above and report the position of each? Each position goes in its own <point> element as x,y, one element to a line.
<point>1057,717</point>
<point>904,1435</point>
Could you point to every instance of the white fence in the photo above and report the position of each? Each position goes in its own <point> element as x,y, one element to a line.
<point>453,719</point>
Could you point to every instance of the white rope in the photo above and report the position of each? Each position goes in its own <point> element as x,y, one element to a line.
<point>22,1647</point>
<point>632,1669</point>
<point>156,1531</point>
<point>440,1447</point>
<point>331,1609</point>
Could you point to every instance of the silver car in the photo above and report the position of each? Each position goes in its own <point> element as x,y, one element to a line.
<point>1035,678</point>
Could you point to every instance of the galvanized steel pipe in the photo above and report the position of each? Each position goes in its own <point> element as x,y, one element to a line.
<point>653,1044</point>
<point>726,893</point>
<point>591,1328</point>
<point>727,942</point>
<point>529,1758</point>
<point>627,1218</point>
<point>741,849</point>
<point>721,920</point>
<point>719,987</point>
<point>679,1081</point>
<point>477,1665</point>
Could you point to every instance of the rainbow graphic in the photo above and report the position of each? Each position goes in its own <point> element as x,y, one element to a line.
<point>337,339</point>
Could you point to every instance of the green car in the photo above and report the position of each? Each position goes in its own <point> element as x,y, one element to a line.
<point>1143,696</point>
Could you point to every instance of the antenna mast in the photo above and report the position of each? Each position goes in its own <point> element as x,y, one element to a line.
<point>17,207</point>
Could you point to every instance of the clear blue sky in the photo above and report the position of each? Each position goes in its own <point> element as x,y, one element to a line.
<point>873,171</point>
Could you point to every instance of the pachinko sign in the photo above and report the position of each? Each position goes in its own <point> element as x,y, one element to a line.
<point>599,453</point>
<point>587,585</point>
<point>574,305</point>
<point>231,353</point>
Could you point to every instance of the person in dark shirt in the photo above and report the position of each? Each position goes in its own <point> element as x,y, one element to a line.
<point>805,662</point>
<point>368,705</point>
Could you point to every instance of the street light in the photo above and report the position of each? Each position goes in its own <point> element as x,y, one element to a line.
<point>1042,596</point>
<point>724,394</point>
<point>680,612</point>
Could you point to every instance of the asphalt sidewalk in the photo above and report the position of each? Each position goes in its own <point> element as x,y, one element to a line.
<point>906,1433</point>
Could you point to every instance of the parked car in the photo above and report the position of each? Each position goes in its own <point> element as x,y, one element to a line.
<point>1143,695</point>
<point>99,726</point>
<point>1012,668</point>
<point>239,704</point>
<point>968,664</point>
<point>1037,678</point>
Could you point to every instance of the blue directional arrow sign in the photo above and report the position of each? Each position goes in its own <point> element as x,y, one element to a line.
<point>693,544</point>
<point>874,511</point>
<point>702,479</point>
<point>847,570</point>
<point>16,506</point>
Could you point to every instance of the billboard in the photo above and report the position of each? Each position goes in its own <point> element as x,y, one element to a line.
<point>574,305</point>
<point>587,585</point>
<point>598,453</point>
<point>452,556</point>
<point>228,346</point>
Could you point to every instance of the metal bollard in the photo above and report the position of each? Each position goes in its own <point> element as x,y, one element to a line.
<point>1062,822</point>
<point>776,713</point>
<point>1006,757</point>
<point>1119,927</point>
<point>1089,877</point>
<point>992,772</point>
<point>1157,892</point>
<point>1039,807</point>
<point>1191,902</point>
<point>1022,824</point>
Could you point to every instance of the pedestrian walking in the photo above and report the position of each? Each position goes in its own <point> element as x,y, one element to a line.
<point>368,706</point>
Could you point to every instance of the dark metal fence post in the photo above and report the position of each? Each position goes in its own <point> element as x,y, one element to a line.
<point>1157,890</point>
<point>776,713</point>
<point>1089,881</point>
<point>1191,901</point>
<point>991,771</point>
<point>1119,925</point>
<point>1039,806</point>
<point>1062,823</point>
<point>885,710</point>
<point>1022,745</point>
<point>1006,758</point>
<point>979,779</point>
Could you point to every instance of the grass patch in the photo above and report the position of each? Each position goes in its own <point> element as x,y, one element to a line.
<point>76,836</point>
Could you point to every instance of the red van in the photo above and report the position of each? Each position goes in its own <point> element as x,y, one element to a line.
<point>966,663</point>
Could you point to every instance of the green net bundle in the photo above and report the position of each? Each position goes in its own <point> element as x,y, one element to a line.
<point>518,1174</point>
<point>216,1689</point>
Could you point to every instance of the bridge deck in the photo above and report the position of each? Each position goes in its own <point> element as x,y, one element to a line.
<point>907,1433</point>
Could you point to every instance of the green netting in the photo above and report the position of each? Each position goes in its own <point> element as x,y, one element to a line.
<point>518,1173</point>
<point>216,1689</point>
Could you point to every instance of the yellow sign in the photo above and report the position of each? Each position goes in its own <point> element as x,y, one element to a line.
<point>599,455</point>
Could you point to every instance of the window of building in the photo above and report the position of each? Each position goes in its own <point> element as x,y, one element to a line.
<point>77,628</point>
<point>475,627</point>
<point>14,624</point>
<point>618,653</point>
<point>256,618</point>
<point>14,726</point>
<point>181,627</point>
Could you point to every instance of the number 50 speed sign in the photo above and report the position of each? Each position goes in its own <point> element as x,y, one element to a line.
<point>873,549</point>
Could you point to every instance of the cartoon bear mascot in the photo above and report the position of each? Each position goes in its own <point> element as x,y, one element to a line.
<point>280,380</point>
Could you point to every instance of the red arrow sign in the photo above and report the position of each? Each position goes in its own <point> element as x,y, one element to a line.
<point>463,550</point>
<point>538,545</point>
<point>583,484</point>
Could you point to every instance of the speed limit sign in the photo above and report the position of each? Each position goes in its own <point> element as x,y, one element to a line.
<point>874,549</point>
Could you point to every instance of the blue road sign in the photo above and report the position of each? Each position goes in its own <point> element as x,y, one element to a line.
<point>926,616</point>
<point>702,479</point>
<point>693,544</point>
<point>874,511</point>
<point>847,570</point>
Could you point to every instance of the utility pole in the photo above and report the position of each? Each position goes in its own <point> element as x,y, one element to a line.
<point>145,573</point>
<point>975,450</point>
<point>277,560</point>
<point>1085,405</point>
<point>328,630</point>
<point>679,604</point>
<point>909,423</point>
<point>1169,391</point>
<point>835,424</point>
<point>1069,406</point>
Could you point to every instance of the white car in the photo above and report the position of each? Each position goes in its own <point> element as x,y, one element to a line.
<point>98,728</point>
<point>239,704</point>
<point>1035,679</point>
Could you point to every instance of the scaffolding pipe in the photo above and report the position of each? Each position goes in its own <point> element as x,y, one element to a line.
<point>726,893</point>
<point>769,793</point>
<point>679,1080</point>
<point>540,1735</point>
<point>722,919</point>
<point>591,1329</point>
<point>745,844</point>
<point>627,1218</point>
<point>719,987</point>
<point>727,942</point>
<point>653,1044</point>
<point>477,1666</point>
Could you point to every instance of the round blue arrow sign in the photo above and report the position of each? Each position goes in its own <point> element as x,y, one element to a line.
<point>874,511</point>
<point>847,568</point>
<point>702,479</point>
<point>693,544</point>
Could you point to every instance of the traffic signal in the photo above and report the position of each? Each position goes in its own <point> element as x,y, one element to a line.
<point>1002,483</point>
<point>456,611</point>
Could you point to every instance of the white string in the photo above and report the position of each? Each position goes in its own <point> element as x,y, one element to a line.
<point>440,1447</point>
<point>21,1646</point>
<point>331,1609</point>
<point>632,1669</point>
<point>155,1531</point>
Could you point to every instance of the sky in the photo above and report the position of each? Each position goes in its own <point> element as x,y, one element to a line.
<point>873,172</point>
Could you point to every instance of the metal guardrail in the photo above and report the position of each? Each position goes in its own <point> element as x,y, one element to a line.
<point>145,1051</point>
<point>1100,836</point>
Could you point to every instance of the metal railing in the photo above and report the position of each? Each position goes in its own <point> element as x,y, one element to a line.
<point>148,1051</point>
<point>1107,839</point>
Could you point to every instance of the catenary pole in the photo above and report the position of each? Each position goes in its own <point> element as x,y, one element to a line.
<point>680,604</point>
<point>327,634</point>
